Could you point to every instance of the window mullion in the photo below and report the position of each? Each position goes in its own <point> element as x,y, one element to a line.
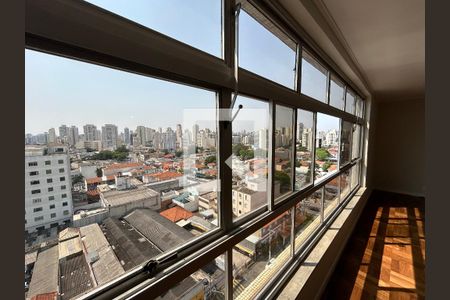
<point>271,155</point>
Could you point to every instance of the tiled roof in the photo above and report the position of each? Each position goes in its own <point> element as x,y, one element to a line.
<point>164,175</point>
<point>176,214</point>
<point>93,180</point>
<point>46,296</point>
<point>123,166</point>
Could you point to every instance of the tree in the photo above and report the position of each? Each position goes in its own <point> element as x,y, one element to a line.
<point>179,153</point>
<point>210,159</point>
<point>322,154</point>
<point>325,166</point>
<point>283,178</point>
<point>99,172</point>
<point>246,154</point>
<point>77,179</point>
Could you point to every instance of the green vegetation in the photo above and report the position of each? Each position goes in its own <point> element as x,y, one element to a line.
<point>322,154</point>
<point>210,159</point>
<point>120,154</point>
<point>243,152</point>
<point>77,179</point>
<point>179,153</point>
<point>99,172</point>
<point>326,165</point>
<point>283,178</point>
<point>301,148</point>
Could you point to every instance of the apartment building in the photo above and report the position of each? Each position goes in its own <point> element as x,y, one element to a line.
<point>48,196</point>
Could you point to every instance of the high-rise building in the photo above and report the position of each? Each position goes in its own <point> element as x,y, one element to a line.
<point>63,133</point>
<point>126,136</point>
<point>90,132</point>
<point>195,139</point>
<point>52,135</point>
<point>48,197</point>
<point>179,133</point>
<point>262,138</point>
<point>109,136</point>
<point>72,136</point>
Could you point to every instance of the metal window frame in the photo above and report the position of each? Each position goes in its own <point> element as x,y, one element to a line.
<point>144,51</point>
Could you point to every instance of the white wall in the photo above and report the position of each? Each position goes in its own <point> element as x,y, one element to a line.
<point>399,147</point>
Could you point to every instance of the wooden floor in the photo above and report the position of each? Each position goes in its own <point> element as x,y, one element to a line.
<point>385,256</point>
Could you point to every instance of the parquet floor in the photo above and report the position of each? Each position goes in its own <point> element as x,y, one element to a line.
<point>385,256</point>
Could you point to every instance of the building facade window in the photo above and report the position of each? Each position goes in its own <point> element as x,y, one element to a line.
<point>53,215</point>
<point>37,219</point>
<point>37,209</point>
<point>37,200</point>
<point>33,164</point>
<point>48,163</point>
<point>34,173</point>
<point>49,180</point>
<point>48,171</point>
<point>36,191</point>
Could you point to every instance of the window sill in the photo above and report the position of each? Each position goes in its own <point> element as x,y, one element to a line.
<point>308,280</point>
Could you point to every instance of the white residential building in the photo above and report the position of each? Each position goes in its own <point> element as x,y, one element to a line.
<point>48,197</point>
<point>109,136</point>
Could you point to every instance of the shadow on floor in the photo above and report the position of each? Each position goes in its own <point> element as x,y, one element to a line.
<point>385,256</point>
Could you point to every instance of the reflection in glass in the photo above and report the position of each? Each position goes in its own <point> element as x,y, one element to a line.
<point>345,184</point>
<point>250,143</point>
<point>307,217</point>
<point>359,107</point>
<point>356,140</point>
<point>260,256</point>
<point>304,148</point>
<point>337,93</point>
<point>327,145</point>
<point>350,102</point>
<point>283,150</point>
<point>207,283</point>
<point>331,196</point>
<point>270,54</point>
<point>314,78</point>
<point>355,176</point>
<point>346,142</point>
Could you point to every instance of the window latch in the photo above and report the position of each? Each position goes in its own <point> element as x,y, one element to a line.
<point>154,266</point>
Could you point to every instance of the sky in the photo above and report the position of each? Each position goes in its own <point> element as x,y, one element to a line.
<point>64,91</point>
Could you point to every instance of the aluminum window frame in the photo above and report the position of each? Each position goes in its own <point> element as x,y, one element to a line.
<point>49,29</point>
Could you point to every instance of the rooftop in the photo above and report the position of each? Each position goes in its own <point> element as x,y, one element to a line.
<point>176,214</point>
<point>70,247</point>
<point>159,230</point>
<point>75,277</point>
<point>45,273</point>
<point>117,198</point>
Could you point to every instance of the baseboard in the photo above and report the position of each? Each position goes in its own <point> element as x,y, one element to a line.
<point>402,192</point>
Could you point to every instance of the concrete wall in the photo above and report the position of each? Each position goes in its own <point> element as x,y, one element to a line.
<point>399,147</point>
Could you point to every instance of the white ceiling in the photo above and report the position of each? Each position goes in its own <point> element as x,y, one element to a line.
<point>383,41</point>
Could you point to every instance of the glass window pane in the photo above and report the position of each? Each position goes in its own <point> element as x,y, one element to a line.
<point>305,144</point>
<point>327,145</point>
<point>337,93</point>
<point>359,107</point>
<point>331,196</point>
<point>196,22</point>
<point>314,78</point>
<point>307,217</point>
<point>356,140</point>
<point>346,142</point>
<point>207,283</point>
<point>355,176</point>
<point>250,161</point>
<point>350,102</point>
<point>284,139</point>
<point>264,49</point>
<point>345,184</point>
<point>148,165</point>
<point>258,258</point>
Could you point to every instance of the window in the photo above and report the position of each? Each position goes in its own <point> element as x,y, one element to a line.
<point>66,212</point>
<point>37,209</point>
<point>314,78</point>
<point>346,142</point>
<point>53,215</point>
<point>356,141</point>
<point>266,43</point>
<point>61,170</point>
<point>49,180</point>
<point>47,163</point>
<point>32,164</point>
<point>48,171</point>
<point>35,191</point>
<point>63,187</point>
<point>337,93</point>
<point>197,23</point>
<point>34,182</point>
<point>266,251</point>
<point>37,200</point>
<point>359,107</point>
<point>37,219</point>
<point>345,184</point>
<point>331,196</point>
<point>327,145</point>
<point>62,178</point>
<point>60,161</point>
<point>307,218</point>
<point>50,198</point>
<point>350,102</point>
<point>50,189</point>
<point>284,156</point>
<point>34,173</point>
<point>63,196</point>
<point>52,206</point>
<point>304,148</point>
<point>64,203</point>
<point>355,176</point>
<point>250,154</point>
